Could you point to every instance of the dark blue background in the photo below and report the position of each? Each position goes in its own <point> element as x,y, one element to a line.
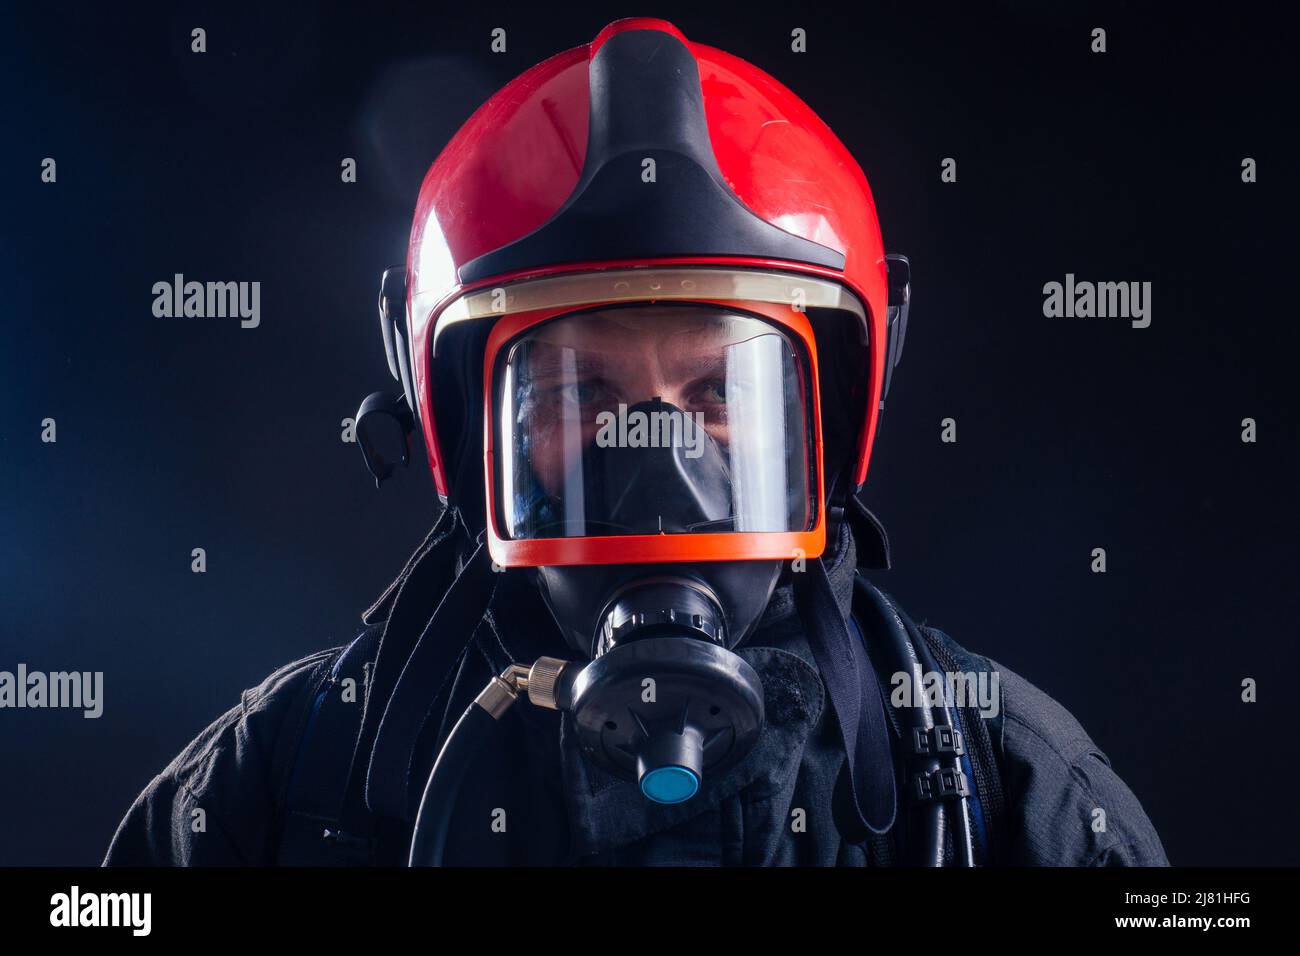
<point>1073,434</point>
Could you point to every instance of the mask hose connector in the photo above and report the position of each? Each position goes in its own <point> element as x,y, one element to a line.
<point>545,683</point>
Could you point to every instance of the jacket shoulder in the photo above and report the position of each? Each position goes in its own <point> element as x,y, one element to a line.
<point>1069,806</point>
<point>1066,805</point>
<point>216,803</point>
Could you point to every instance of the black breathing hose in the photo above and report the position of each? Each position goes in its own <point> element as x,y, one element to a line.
<point>958,816</point>
<point>481,722</point>
<point>931,819</point>
<point>963,835</point>
<point>476,727</point>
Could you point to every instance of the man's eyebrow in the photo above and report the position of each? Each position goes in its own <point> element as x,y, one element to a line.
<point>549,357</point>
<point>700,364</point>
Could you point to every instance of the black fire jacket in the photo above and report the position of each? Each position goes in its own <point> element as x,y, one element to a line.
<point>1047,795</point>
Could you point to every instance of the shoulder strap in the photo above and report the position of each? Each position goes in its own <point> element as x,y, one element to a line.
<point>432,664</point>
<point>309,831</point>
<point>321,822</point>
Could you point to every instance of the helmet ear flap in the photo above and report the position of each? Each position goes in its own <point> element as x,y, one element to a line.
<point>392,325</point>
<point>384,422</point>
<point>389,284</point>
<point>898,278</point>
<point>900,300</point>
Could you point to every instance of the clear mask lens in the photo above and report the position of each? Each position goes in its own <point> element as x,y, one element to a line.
<point>650,419</point>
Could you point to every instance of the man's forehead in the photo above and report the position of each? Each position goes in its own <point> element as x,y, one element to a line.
<point>605,332</point>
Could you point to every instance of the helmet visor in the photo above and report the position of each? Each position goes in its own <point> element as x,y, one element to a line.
<point>653,419</point>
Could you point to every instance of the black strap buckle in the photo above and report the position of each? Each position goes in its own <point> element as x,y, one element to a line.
<point>945,783</point>
<point>350,849</point>
<point>940,739</point>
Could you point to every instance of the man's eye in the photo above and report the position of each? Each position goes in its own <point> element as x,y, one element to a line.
<point>580,393</point>
<point>714,392</point>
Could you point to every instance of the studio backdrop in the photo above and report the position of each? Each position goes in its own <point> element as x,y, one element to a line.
<point>1087,462</point>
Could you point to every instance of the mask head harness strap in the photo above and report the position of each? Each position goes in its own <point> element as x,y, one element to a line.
<point>857,705</point>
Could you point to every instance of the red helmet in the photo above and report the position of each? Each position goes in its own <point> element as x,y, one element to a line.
<point>642,167</point>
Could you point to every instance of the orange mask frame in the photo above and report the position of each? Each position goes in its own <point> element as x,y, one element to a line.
<point>652,548</point>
